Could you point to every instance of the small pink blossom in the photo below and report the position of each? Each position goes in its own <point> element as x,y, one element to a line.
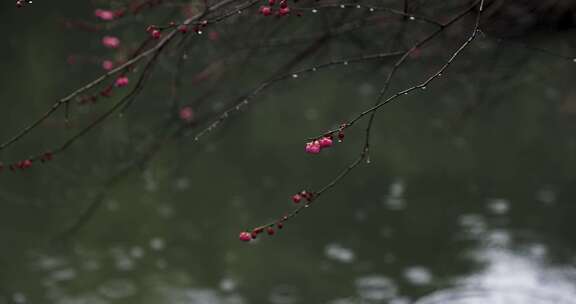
<point>121,81</point>
<point>156,34</point>
<point>283,11</point>
<point>325,142</point>
<point>296,198</point>
<point>104,14</point>
<point>313,147</point>
<point>270,231</point>
<point>22,3</point>
<point>245,236</point>
<point>111,42</point>
<point>107,65</point>
<point>186,114</point>
<point>266,10</point>
<point>24,164</point>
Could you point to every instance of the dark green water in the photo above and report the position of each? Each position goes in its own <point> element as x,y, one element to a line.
<point>452,208</point>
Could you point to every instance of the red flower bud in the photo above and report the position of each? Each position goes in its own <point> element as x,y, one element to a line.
<point>245,236</point>
<point>296,198</point>
<point>270,231</point>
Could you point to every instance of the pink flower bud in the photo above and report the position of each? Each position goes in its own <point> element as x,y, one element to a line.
<point>155,34</point>
<point>266,10</point>
<point>296,198</point>
<point>186,114</point>
<point>111,42</point>
<point>283,11</point>
<point>325,142</point>
<point>270,231</point>
<point>107,65</point>
<point>104,14</point>
<point>313,147</point>
<point>121,81</point>
<point>245,236</point>
<point>24,164</point>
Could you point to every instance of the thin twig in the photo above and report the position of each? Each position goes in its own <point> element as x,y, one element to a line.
<point>100,79</point>
<point>354,164</point>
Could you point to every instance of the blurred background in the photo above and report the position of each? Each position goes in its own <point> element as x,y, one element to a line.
<point>468,196</point>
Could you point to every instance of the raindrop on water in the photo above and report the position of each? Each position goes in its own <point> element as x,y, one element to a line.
<point>117,289</point>
<point>376,288</point>
<point>227,284</point>
<point>65,274</point>
<point>499,206</point>
<point>157,244</point>
<point>339,253</point>
<point>136,252</point>
<point>19,298</point>
<point>418,275</point>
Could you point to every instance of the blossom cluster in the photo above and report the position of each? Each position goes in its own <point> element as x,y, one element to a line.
<point>271,229</point>
<point>315,146</point>
<point>27,163</point>
<point>268,10</point>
